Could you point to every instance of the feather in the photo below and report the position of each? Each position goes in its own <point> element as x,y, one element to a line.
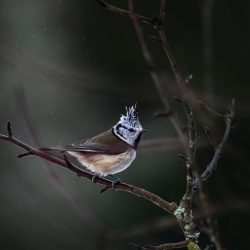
<point>103,143</point>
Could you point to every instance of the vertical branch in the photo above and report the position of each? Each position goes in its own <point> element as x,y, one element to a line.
<point>184,211</point>
<point>211,167</point>
<point>165,45</point>
<point>171,59</point>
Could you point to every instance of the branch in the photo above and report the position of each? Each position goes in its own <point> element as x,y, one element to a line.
<point>208,108</point>
<point>184,211</point>
<point>123,12</point>
<point>211,167</point>
<point>172,61</point>
<point>212,223</point>
<point>161,87</point>
<point>166,246</point>
<point>139,192</point>
<point>188,143</point>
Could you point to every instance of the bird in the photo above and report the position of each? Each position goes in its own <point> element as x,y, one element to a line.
<point>111,151</point>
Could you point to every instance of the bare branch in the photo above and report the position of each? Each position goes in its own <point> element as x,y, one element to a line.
<point>24,154</point>
<point>172,60</point>
<point>210,137</point>
<point>183,212</point>
<point>139,192</point>
<point>123,12</point>
<point>211,167</point>
<point>166,246</point>
<point>157,79</point>
<point>208,108</point>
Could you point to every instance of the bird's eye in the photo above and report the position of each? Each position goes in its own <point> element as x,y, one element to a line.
<point>131,130</point>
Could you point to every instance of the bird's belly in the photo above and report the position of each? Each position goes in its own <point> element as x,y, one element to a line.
<point>106,164</point>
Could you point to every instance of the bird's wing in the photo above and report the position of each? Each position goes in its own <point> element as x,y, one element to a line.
<point>104,143</point>
<point>59,149</point>
<point>88,148</point>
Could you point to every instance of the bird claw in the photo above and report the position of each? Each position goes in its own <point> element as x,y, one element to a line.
<point>93,179</point>
<point>115,182</point>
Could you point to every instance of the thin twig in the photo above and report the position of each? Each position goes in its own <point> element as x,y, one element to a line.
<point>24,154</point>
<point>186,201</point>
<point>186,218</point>
<point>210,137</point>
<point>180,244</point>
<point>166,246</point>
<point>184,211</point>
<point>157,79</point>
<point>211,167</point>
<point>123,12</point>
<point>208,108</point>
<point>142,193</point>
<point>212,231</point>
<point>172,61</point>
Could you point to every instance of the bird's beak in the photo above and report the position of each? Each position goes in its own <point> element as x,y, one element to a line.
<point>144,130</point>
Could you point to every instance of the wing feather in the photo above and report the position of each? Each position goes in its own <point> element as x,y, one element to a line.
<point>104,143</point>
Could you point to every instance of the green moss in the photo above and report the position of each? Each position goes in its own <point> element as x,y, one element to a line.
<point>193,246</point>
<point>179,213</point>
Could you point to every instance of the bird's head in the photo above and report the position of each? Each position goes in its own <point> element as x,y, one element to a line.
<point>129,128</point>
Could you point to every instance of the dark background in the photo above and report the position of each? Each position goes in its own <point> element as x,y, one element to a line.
<point>67,69</point>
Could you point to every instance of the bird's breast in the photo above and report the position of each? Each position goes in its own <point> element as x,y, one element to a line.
<point>106,164</point>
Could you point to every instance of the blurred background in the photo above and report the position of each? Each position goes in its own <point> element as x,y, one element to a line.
<point>67,69</point>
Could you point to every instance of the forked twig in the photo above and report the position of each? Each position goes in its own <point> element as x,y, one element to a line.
<point>123,12</point>
<point>211,167</point>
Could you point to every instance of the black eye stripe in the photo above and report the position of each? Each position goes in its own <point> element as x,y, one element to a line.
<point>122,126</point>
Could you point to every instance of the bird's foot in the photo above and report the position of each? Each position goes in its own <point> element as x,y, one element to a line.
<point>118,181</point>
<point>96,175</point>
<point>115,180</point>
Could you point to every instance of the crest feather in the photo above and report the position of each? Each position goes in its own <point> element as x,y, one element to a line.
<point>131,116</point>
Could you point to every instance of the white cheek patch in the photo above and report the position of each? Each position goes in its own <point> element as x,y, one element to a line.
<point>125,135</point>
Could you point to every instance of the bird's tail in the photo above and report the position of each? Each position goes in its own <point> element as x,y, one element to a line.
<point>59,149</point>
